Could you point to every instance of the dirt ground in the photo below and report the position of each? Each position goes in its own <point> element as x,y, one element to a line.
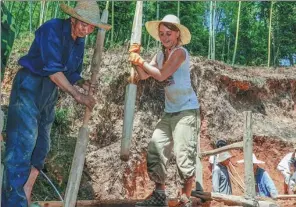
<point>224,93</point>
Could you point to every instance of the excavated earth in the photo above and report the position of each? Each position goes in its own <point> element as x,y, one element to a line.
<point>224,93</point>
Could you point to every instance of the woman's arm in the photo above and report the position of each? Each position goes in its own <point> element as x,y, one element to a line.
<point>143,75</point>
<point>171,65</point>
<point>176,59</point>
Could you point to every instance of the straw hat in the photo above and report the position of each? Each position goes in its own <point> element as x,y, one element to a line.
<point>152,28</point>
<point>223,156</point>
<point>86,11</point>
<point>255,161</point>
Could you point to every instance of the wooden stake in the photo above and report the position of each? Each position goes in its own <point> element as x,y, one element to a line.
<point>83,136</point>
<point>131,89</point>
<point>250,192</point>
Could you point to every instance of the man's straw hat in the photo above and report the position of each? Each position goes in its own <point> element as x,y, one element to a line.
<point>255,161</point>
<point>223,156</point>
<point>86,11</point>
<point>152,28</point>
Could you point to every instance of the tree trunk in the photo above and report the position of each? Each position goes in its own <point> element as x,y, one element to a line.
<point>56,10</point>
<point>30,16</point>
<point>269,34</point>
<point>210,31</point>
<point>42,10</point>
<point>178,10</point>
<point>237,30</point>
<point>112,30</point>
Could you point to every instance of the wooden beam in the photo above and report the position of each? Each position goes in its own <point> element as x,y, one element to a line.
<point>101,203</point>
<point>237,145</point>
<point>283,197</point>
<point>250,192</point>
<point>233,199</point>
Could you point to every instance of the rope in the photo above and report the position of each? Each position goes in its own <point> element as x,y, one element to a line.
<point>234,179</point>
<point>240,179</point>
<point>56,190</point>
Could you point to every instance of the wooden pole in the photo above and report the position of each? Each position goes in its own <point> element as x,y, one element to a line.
<point>250,192</point>
<point>131,89</point>
<point>285,196</point>
<point>233,200</point>
<point>237,145</point>
<point>198,169</point>
<point>83,136</point>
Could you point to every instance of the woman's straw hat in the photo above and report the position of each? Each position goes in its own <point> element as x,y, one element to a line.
<point>255,161</point>
<point>152,28</point>
<point>86,11</point>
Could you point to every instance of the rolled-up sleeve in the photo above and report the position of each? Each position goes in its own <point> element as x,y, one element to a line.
<point>51,51</point>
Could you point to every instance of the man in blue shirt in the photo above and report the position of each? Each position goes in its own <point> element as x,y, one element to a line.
<point>53,61</point>
<point>221,181</point>
<point>264,184</point>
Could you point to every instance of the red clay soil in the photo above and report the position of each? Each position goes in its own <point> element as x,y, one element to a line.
<point>271,151</point>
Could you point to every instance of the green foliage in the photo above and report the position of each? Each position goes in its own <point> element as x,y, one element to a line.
<point>253,28</point>
<point>7,35</point>
<point>62,120</point>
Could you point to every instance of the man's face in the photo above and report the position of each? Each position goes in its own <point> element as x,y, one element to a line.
<point>80,29</point>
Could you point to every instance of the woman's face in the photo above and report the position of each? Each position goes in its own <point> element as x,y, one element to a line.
<point>168,38</point>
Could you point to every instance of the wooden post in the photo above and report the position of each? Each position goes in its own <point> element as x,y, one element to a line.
<point>198,173</point>
<point>83,136</point>
<point>248,151</point>
<point>131,89</point>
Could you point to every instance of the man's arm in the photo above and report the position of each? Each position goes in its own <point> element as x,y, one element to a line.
<point>61,81</point>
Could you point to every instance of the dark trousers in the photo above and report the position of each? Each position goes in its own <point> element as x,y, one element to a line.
<point>30,117</point>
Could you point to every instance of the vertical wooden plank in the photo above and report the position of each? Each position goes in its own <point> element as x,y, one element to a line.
<point>250,192</point>
<point>131,89</point>
<point>83,136</point>
<point>199,170</point>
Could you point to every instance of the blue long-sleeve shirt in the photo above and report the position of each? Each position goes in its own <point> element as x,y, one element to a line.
<point>53,50</point>
<point>265,185</point>
<point>221,181</point>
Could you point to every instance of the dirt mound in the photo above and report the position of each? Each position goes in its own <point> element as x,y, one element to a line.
<point>224,93</point>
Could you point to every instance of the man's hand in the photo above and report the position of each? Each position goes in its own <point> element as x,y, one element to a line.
<point>135,48</point>
<point>87,86</point>
<point>86,100</point>
<point>136,59</point>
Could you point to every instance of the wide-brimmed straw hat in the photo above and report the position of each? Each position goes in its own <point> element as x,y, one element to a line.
<point>152,28</point>
<point>255,160</point>
<point>223,156</point>
<point>86,11</point>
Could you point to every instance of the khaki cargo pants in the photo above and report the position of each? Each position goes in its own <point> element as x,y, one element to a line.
<point>178,132</point>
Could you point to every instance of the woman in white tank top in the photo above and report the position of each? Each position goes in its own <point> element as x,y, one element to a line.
<point>178,128</point>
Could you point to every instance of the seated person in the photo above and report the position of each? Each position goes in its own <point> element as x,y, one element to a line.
<point>264,185</point>
<point>221,180</point>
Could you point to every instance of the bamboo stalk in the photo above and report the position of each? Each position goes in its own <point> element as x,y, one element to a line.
<point>83,136</point>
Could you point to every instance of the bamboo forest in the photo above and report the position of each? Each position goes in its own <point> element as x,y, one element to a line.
<point>238,32</point>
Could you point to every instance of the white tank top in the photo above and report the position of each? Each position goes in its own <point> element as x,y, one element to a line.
<point>179,94</point>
